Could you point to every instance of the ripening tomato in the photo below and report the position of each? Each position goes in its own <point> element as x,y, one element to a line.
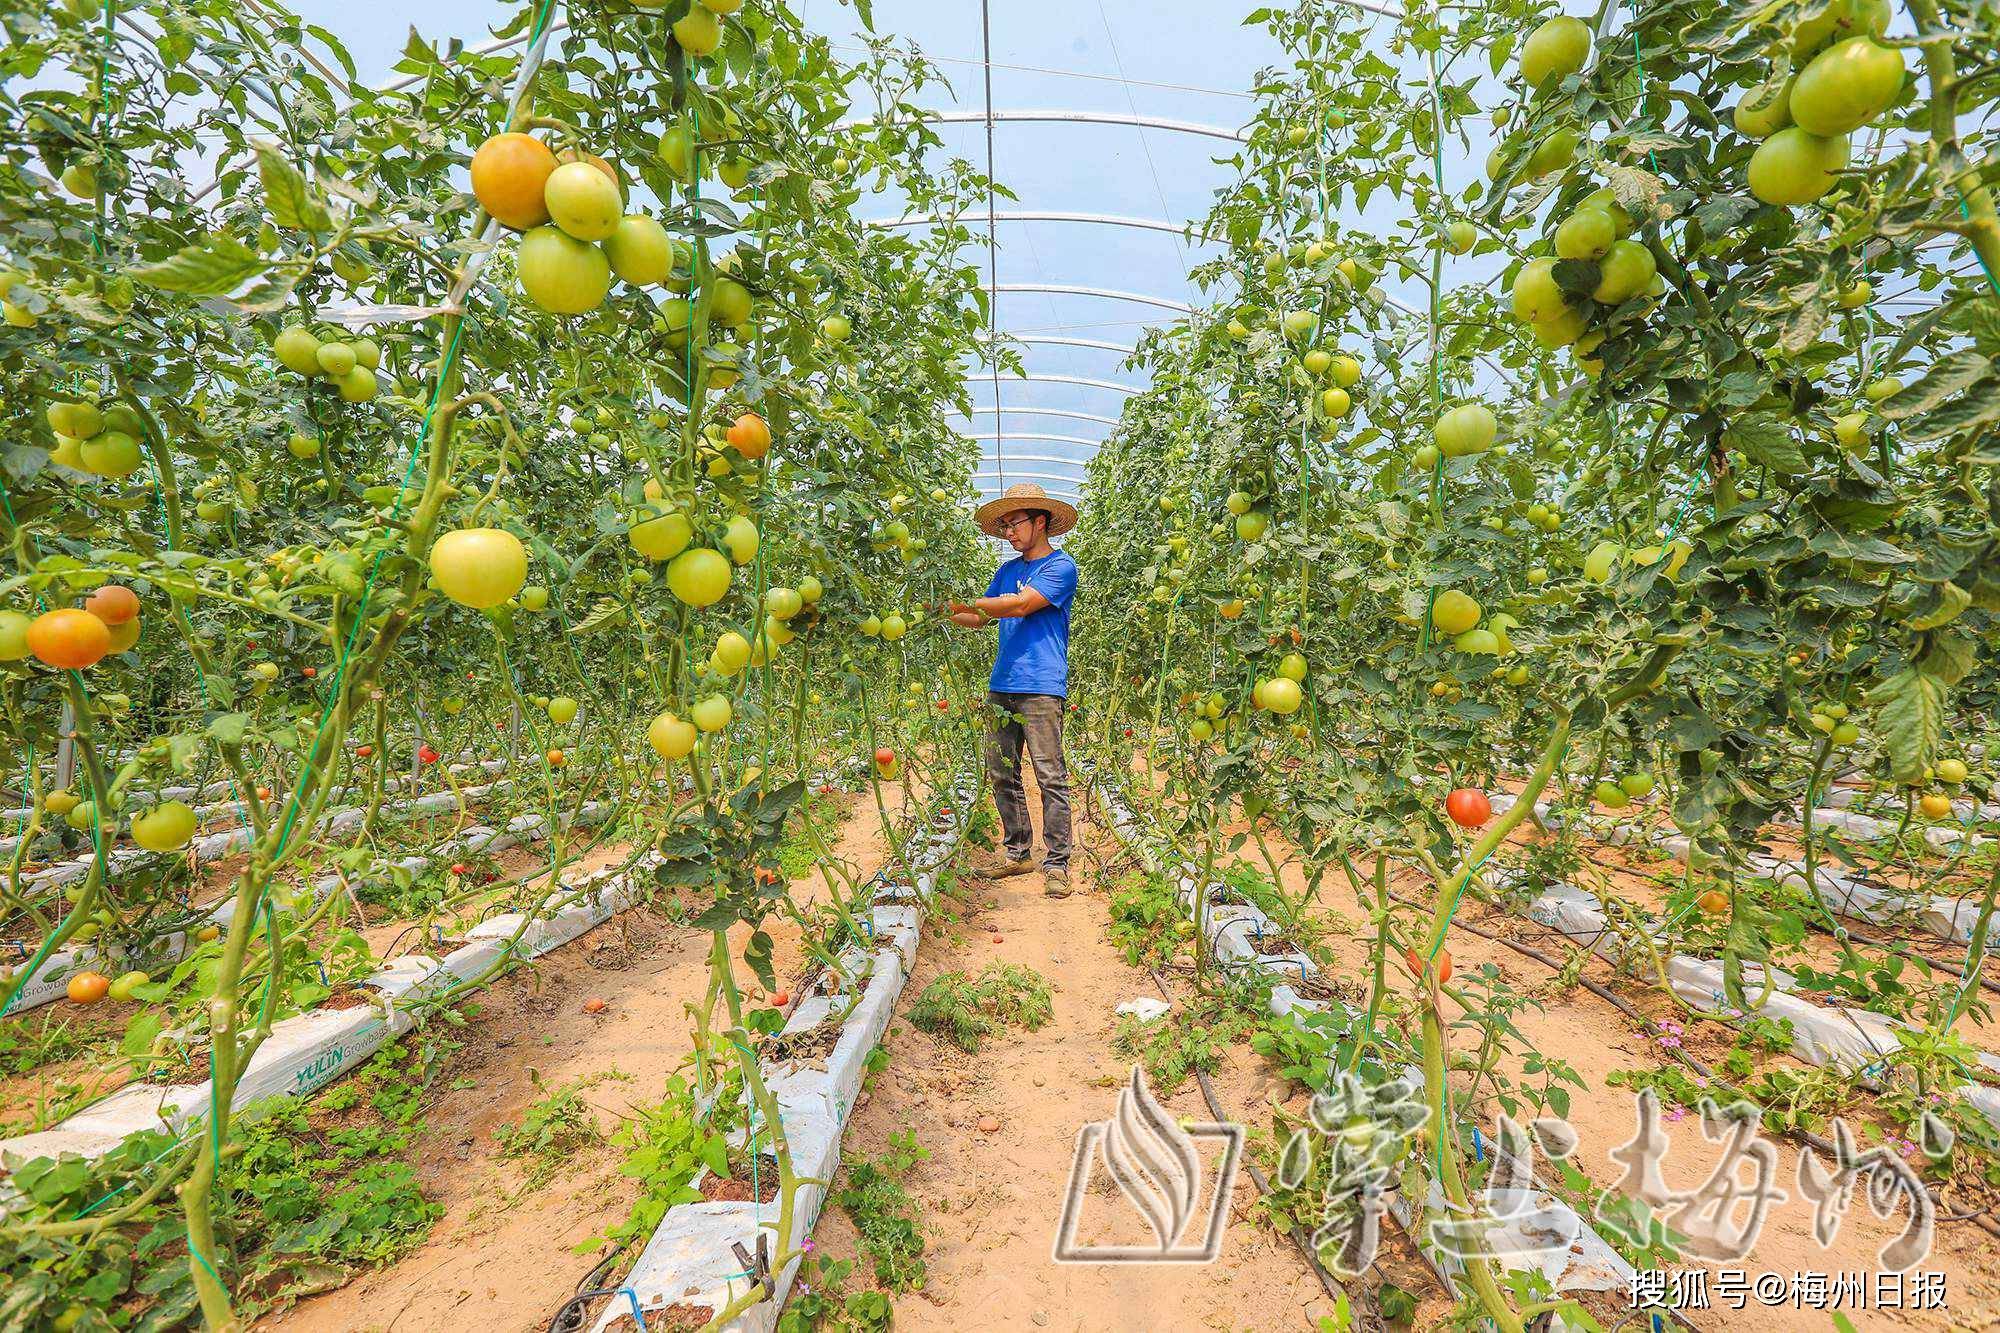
<point>561,274</point>
<point>510,173</point>
<point>1714,902</point>
<point>699,577</point>
<point>640,251</point>
<point>750,436</point>
<point>166,827</point>
<point>89,987</point>
<point>479,567</point>
<point>114,604</point>
<point>68,639</point>
<point>1468,807</point>
<point>584,201</point>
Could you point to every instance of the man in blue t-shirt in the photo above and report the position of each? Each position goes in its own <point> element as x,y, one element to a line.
<point>1029,598</point>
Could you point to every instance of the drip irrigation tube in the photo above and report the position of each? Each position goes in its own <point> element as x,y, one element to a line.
<point>1985,1222</point>
<point>1332,1288</point>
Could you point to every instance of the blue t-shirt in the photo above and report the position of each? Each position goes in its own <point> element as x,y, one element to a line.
<point>1034,649</point>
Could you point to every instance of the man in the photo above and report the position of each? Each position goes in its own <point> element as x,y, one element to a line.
<point>1029,599</point>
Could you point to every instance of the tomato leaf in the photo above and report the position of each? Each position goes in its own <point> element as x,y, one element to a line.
<point>292,202</point>
<point>140,1032</point>
<point>757,954</point>
<point>209,267</point>
<point>1765,439</point>
<point>1978,405</point>
<point>1909,717</point>
<point>1950,657</point>
<point>1947,377</point>
<point>1947,602</point>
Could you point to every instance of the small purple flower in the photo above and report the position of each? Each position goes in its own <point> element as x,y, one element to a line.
<point>807,1245</point>
<point>1675,1113</point>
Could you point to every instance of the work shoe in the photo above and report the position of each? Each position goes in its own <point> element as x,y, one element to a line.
<point>1055,883</point>
<point>1009,868</point>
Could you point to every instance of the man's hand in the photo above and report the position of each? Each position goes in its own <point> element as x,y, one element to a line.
<point>966,615</point>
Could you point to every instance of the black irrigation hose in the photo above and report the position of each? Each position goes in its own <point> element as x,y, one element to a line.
<point>1983,1219</point>
<point>569,1316</point>
<point>1325,1279</point>
<point>1333,1289</point>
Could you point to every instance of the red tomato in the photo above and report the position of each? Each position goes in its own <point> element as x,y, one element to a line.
<point>884,757</point>
<point>309,672</point>
<point>1468,807</point>
<point>780,998</point>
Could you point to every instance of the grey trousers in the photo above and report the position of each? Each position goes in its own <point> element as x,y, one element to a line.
<point>1037,720</point>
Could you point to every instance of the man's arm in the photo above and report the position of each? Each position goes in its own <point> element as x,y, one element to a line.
<point>1006,606</point>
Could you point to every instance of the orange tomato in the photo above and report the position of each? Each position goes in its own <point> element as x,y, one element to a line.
<point>556,758</point>
<point>89,987</point>
<point>780,998</point>
<point>114,604</point>
<point>1715,902</point>
<point>68,639</point>
<point>508,174</point>
<point>750,436</point>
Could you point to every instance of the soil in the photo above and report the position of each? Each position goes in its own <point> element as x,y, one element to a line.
<point>990,1198</point>
<point>503,1259</point>
<point>736,1189</point>
<point>1594,1040</point>
<point>1002,1126</point>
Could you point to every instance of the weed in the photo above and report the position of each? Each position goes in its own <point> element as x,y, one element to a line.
<point>1188,1038</point>
<point>553,1129</point>
<point>1146,920</point>
<point>964,1009</point>
<point>822,1301</point>
<point>884,1213</point>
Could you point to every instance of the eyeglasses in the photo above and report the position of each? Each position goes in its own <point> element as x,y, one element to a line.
<point>1019,520</point>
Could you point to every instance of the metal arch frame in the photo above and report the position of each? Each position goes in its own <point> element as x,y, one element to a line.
<point>1053,115</point>
<point>1041,215</point>
<point>1108,293</point>
<point>1040,435</point>
<point>1078,463</point>
<point>1035,411</point>
<point>1068,379</point>
<point>1100,219</point>
<point>1041,341</point>
<point>1038,476</point>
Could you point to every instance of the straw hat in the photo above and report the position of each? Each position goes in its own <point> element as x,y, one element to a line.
<point>1025,495</point>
